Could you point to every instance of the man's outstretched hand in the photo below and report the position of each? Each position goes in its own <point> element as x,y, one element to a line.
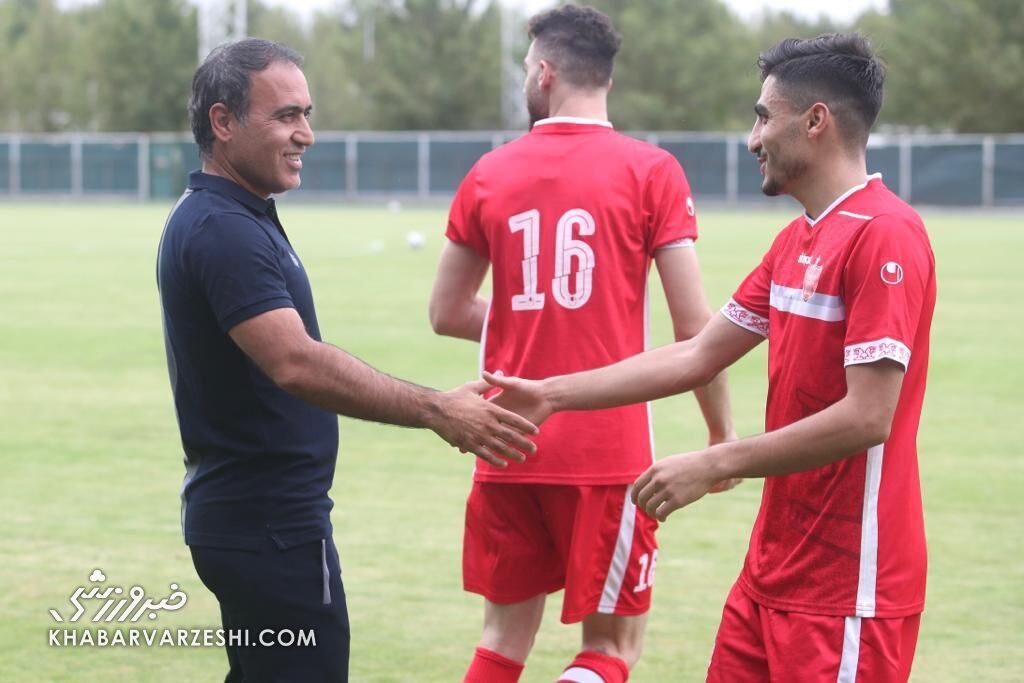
<point>522,396</point>
<point>473,424</point>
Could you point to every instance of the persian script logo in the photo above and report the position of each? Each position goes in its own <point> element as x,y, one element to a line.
<point>117,606</point>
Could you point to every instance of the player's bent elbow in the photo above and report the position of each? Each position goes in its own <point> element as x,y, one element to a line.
<point>440,320</point>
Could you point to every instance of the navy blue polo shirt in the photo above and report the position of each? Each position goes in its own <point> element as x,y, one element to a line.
<point>259,462</point>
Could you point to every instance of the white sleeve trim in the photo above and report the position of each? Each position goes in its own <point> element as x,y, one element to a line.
<point>735,313</point>
<point>869,352</point>
<point>678,244</point>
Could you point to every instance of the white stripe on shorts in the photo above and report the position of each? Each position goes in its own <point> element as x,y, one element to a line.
<point>620,558</point>
<point>851,651</point>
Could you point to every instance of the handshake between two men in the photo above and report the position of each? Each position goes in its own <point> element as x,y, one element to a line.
<point>667,485</point>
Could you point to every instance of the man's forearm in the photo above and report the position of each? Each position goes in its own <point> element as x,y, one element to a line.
<point>713,400</point>
<point>817,440</point>
<point>334,380</point>
<point>651,375</point>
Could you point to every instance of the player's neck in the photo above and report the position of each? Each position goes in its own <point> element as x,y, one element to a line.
<point>832,180</point>
<point>581,105</point>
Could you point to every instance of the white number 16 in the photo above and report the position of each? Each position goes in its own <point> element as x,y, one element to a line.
<point>566,249</point>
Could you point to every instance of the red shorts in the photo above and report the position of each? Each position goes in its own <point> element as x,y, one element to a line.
<point>524,540</point>
<point>757,643</point>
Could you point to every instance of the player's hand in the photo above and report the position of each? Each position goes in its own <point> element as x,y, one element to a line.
<point>473,424</point>
<point>522,396</point>
<point>672,483</point>
<point>725,484</point>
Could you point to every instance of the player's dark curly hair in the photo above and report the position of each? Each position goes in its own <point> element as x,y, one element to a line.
<point>580,42</point>
<point>225,76</point>
<point>838,69</point>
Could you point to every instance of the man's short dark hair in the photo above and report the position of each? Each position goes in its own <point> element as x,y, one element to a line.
<point>580,41</point>
<point>225,76</point>
<point>838,69</point>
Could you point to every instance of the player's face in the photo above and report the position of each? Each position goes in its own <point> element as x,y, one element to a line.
<point>776,141</point>
<point>537,105</point>
<point>266,152</point>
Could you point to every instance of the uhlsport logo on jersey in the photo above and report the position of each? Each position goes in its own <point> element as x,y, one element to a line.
<point>690,208</point>
<point>892,273</point>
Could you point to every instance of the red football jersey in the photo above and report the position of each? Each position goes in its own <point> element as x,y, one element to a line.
<point>854,286</point>
<point>569,215</point>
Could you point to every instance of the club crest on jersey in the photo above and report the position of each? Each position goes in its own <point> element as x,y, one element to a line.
<point>811,277</point>
<point>892,273</point>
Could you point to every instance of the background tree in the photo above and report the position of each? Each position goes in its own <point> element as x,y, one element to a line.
<point>142,56</point>
<point>684,65</point>
<point>953,64</point>
<point>435,64</point>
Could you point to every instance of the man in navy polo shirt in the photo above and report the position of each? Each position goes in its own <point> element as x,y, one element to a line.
<point>256,391</point>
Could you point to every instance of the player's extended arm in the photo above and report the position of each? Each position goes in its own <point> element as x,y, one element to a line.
<point>332,379</point>
<point>456,310</point>
<point>679,270</point>
<point>858,421</point>
<point>647,376</point>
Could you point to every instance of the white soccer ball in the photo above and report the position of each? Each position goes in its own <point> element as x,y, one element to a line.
<point>414,239</point>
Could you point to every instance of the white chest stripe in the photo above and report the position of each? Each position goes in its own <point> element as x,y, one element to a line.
<point>869,533</point>
<point>825,307</point>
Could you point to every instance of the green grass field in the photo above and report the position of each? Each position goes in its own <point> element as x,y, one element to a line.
<point>92,461</point>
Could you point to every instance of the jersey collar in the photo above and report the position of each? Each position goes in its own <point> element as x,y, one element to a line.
<point>583,121</point>
<point>811,222</point>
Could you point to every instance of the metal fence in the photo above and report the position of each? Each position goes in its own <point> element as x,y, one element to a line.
<point>960,170</point>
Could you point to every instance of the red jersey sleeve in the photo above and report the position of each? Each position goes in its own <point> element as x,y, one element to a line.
<point>748,307</point>
<point>888,274</point>
<point>668,206</point>
<point>463,217</point>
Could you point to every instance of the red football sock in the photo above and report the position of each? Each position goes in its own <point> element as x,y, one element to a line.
<point>587,663</point>
<point>490,667</point>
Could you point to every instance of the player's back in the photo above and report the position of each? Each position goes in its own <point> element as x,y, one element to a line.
<point>569,216</point>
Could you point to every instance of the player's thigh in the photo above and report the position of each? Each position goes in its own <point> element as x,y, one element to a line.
<point>507,554</point>
<point>739,654</point>
<point>878,649</point>
<point>610,552</point>
<point>829,649</point>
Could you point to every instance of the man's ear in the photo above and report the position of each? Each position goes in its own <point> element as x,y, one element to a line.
<point>546,74</point>
<point>819,118</point>
<point>222,122</point>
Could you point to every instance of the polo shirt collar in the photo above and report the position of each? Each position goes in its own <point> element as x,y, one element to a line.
<point>204,181</point>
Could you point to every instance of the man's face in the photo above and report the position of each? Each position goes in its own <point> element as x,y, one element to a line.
<point>537,105</point>
<point>266,152</point>
<point>777,142</point>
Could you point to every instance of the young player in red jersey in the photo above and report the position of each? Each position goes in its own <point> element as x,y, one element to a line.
<point>833,584</point>
<point>569,216</point>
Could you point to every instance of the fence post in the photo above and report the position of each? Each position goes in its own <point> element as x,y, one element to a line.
<point>906,150</point>
<point>988,171</point>
<point>351,165</point>
<point>14,161</point>
<point>143,147</point>
<point>423,165</point>
<point>732,168</point>
<point>76,166</point>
